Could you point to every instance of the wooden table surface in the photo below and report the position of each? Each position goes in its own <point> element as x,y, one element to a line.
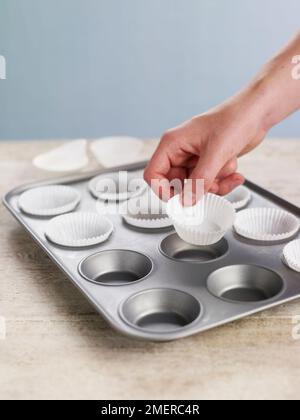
<point>57,346</point>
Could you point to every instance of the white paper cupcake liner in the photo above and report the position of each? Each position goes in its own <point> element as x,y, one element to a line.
<point>115,187</point>
<point>148,221</point>
<point>239,197</point>
<point>49,201</point>
<point>115,151</point>
<point>70,157</point>
<point>147,212</point>
<point>204,224</point>
<point>266,224</point>
<point>291,255</point>
<point>79,230</point>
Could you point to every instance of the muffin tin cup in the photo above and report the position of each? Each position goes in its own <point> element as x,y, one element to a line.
<point>203,236</point>
<point>115,267</point>
<point>176,249</point>
<point>291,255</point>
<point>79,230</point>
<point>245,284</point>
<point>161,311</point>
<point>266,224</point>
<point>49,201</point>
<point>204,224</point>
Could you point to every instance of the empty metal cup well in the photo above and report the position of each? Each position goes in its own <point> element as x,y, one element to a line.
<point>115,267</point>
<point>177,249</point>
<point>245,283</point>
<point>161,310</point>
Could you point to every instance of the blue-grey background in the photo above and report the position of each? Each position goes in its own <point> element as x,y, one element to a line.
<point>89,68</point>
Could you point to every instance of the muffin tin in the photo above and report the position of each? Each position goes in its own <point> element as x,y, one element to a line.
<point>149,284</point>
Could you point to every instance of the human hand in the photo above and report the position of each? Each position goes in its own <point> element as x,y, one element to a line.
<point>207,148</point>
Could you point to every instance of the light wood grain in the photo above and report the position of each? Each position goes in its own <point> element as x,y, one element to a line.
<point>58,347</point>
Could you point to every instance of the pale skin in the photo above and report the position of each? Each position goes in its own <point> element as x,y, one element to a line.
<point>208,146</point>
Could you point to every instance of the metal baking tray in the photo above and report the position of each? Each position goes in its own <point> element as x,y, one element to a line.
<point>183,290</point>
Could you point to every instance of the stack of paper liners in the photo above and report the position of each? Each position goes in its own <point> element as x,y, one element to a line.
<point>113,151</point>
<point>70,157</point>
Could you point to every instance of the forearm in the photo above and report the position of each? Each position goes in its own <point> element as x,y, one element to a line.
<point>275,93</point>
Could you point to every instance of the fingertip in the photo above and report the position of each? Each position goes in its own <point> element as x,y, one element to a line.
<point>214,189</point>
<point>238,179</point>
<point>230,183</point>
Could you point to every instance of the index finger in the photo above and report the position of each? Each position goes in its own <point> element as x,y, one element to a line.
<point>156,173</point>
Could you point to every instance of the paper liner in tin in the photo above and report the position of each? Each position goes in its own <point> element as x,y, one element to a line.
<point>146,211</point>
<point>291,255</point>
<point>117,186</point>
<point>79,229</point>
<point>49,200</point>
<point>239,197</point>
<point>266,224</point>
